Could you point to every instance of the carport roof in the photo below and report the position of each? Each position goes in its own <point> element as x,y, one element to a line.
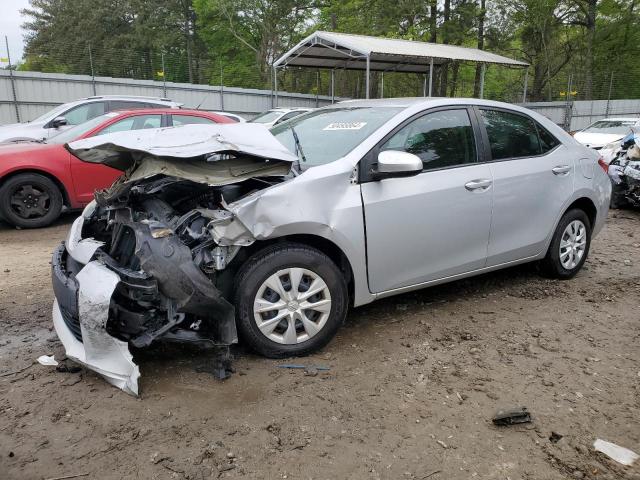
<point>347,51</point>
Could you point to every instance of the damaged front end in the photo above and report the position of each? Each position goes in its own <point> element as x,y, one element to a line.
<point>149,259</point>
<point>624,171</point>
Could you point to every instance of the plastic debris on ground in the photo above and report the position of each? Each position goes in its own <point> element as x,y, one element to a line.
<point>512,416</point>
<point>620,454</point>
<point>47,360</point>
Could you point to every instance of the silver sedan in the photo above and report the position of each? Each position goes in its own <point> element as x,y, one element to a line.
<point>220,230</point>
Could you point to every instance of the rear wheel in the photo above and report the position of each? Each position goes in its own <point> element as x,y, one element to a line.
<point>30,200</point>
<point>290,300</point>
<point>570,245</point>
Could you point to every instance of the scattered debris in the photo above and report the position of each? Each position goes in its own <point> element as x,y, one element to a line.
<point>512,416</point>
<point>64,368</point>
<point>307,368</point>
<point>555,437</point>
<point>442,444</point>
<point>68,476</point>
<point>431,474</point>
<point>620,454</point>
<point>47,360</point>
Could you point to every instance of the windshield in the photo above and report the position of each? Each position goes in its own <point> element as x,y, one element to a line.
<point>327,135</point>
<point>52,113</point>
<point>267,117</point>
<point>617,127</point>
<point>73,133</point>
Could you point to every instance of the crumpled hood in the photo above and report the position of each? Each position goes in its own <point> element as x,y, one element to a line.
<point>121,150</point>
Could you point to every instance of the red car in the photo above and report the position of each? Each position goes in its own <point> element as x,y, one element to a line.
<point>38,179</point>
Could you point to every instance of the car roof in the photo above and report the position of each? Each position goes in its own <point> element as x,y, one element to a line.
<point>171,111</point>
<point>142,98</point>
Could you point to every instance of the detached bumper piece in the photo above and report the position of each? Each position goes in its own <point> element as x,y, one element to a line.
<point>143,290</point>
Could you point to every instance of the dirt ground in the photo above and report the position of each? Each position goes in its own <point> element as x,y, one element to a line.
<point>413,383</point>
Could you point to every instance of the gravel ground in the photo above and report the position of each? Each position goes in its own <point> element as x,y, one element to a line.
<point>413,383</point>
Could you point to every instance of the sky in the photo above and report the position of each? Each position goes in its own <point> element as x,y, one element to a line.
<point>10,22</point>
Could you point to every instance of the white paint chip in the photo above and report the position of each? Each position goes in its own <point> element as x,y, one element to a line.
<point>620,454</point>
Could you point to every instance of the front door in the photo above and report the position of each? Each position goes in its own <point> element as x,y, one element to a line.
<point>435,224</point>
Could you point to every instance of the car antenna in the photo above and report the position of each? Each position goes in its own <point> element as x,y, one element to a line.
<point>203,99</point>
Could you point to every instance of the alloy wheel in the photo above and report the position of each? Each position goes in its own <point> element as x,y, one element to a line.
<point>292,305</point>
<point>573,244</point>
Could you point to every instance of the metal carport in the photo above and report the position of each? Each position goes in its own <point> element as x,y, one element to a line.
<point>330,50</point>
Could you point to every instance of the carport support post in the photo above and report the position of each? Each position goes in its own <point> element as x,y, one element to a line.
<point>333,85</point>
<point>431,76</point>
<point>275,86</point>
<point>12,80</point>
<point>482,72</point>
<point>382,85</point>
<point>367,81</point>
<point>526,81</point>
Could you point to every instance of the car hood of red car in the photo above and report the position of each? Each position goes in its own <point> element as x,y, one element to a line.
<point>25,147</point>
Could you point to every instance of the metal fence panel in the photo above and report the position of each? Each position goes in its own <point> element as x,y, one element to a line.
<point>38,92</point>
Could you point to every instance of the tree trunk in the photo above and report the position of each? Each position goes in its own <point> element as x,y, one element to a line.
<point>444,70</point>
<point>592,10</point>
<point>481,17</point>
<point>433,21</point>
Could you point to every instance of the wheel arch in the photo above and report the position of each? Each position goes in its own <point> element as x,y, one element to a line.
<point>65,194</point>
<point>587,206</point>
<point>324,245</point>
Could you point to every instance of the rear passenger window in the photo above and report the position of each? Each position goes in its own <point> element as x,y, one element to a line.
<point>441,139</point>
<point>511,135</point>
<point>125,105</point>
<point>547,141</point>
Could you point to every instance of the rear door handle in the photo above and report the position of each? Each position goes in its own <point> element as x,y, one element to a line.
<point>561,170</point>
<point>481,184</point>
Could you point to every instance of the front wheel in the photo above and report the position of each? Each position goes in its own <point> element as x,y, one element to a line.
<point>290,300</point>
<point>30,200</point>
<point>569,246</point>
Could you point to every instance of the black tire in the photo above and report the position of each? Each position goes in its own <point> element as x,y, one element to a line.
<point>551,265</point>
<point>43,194</point>
<point>258,268</point>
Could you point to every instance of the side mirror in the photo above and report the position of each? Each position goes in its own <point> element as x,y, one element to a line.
<point>59,122</point>
<point>394,163</point>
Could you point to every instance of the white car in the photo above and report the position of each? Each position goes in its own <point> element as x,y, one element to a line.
<point>605,131</point>
<point>75,113</point>
<point>276,116</point>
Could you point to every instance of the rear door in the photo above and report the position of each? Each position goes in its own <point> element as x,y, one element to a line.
<point>435,224</point>
<point>533,178</point>
<point>89,177</point>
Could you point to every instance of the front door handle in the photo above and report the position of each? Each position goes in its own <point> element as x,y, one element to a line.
<point>481,184</point>
<point>561,170</point>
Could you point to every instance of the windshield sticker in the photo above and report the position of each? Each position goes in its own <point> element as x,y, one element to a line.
<point>345,126</point>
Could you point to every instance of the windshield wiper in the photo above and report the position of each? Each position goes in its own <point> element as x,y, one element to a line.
<point>299,152</point>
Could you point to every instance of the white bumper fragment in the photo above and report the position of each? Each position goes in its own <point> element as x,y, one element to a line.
<point>98,350</point>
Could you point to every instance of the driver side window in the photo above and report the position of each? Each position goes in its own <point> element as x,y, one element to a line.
<point>441,139</point>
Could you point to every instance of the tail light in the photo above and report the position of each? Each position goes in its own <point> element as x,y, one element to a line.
<point>603,165</point>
